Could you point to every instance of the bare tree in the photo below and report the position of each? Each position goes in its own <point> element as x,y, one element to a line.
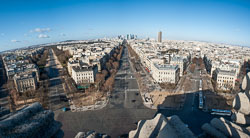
<point>192,67</point>
<point>116,65</point>
<point>109,83</point>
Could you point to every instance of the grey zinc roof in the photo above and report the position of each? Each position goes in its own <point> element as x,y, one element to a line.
<point>166,67</point>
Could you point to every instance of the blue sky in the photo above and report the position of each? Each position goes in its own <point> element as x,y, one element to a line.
<point>30,22</point>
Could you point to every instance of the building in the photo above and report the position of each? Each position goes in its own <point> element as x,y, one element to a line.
<point>83,74</point>
<point>160,36</point>
<point>25,82</point>
<point>72,63</point>
<point>166,73</point>
<point>181,62</point>
<point>225,80</point>
<point>226,67</point>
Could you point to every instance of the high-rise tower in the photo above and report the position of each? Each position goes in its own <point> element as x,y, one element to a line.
<point>160,36</point>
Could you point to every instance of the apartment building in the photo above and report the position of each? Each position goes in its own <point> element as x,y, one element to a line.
<point>72,63</point>
<point>25,82</point>
<point>181,62</point>
<point>225,80</point>
<point>225,66</point>
<point>83,74</point>
<point>166,73</point>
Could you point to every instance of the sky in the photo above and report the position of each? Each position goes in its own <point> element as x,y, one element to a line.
<point>30,22</point>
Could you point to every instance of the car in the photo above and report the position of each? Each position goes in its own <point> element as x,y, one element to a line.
<point>64,109</point>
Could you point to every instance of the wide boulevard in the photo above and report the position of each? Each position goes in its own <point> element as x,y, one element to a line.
<point>125,108</point>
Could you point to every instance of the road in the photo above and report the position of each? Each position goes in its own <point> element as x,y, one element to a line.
<point>190,113</point>
<point>56,91</point>
<point>124,109</point>
<point>126,92</point>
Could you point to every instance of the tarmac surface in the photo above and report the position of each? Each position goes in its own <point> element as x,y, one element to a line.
<point>56,91</point>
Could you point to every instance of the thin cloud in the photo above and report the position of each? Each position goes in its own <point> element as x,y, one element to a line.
<point>40,30</point>
<point>62,34</point>
<point>2,34</point>
<point>43,36</point>
<point>15,41</point>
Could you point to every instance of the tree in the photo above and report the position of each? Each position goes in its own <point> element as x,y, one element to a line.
<point>202,66</point>
<point>10,85</point>
<point>108,66</point>
<point>105,72</point>
<point>44,76</point>
<point>43,95</point>
<point>117,51</point>
<point>13,97</point>
<point>109,83</point>
<point>192,67</point>
<point>119,57</point>
<point>115,55</point>
<point>200,61</point>
<point>194,60</point>
<point>116,65</point>
<point>12,104</point>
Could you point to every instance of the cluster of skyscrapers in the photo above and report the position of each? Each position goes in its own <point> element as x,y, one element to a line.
<point>128,37</point>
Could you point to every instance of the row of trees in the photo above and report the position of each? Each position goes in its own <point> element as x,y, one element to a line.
<point>196,61</point>
<point>133,53</point>
<point>39,95</point>
<point>63,56</point>
<point>105,79</point>
<point>2,73</point>
<point>40,59</point>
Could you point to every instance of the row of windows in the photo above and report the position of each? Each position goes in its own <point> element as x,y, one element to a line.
<point>220,77</point>
<point>27,84</point>
<point>166,73</point>
<point>27,81</point>
<point>225,81</point>
<point>84,74</point>
<point>78,78</point>
<point>225,85</point>
<point>26,88</point>
<point>166,80</point>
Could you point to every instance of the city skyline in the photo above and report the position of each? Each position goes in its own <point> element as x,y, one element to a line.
<point>36,22</point>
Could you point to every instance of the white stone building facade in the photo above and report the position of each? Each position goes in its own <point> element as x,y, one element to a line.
<point>166,73</point>
<point>83,75</point>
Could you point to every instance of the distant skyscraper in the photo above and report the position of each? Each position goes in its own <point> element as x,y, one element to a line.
<point>160,36</point>
<point>128,36</point>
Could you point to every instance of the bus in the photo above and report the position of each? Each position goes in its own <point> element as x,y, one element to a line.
<point>221,112</point>
<point>200,86</point>
<point>200,100</point>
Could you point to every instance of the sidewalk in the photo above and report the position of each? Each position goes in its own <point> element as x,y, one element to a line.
<point>97,106</point>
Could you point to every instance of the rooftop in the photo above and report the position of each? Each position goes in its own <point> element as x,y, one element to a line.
<point>166,67</point>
